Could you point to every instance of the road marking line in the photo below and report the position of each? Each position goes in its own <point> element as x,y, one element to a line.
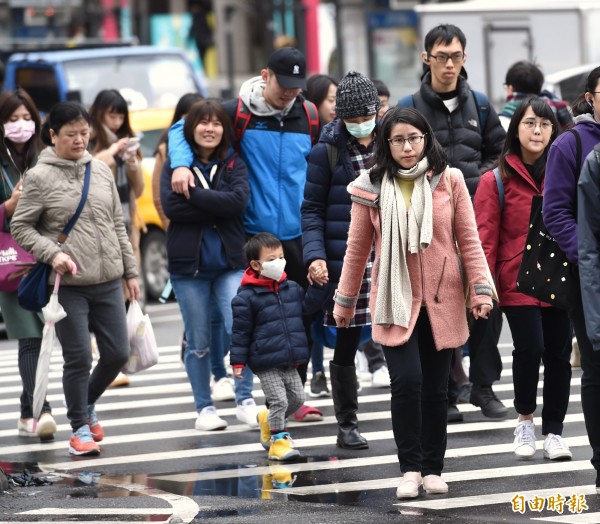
<point>574,518</point>
<point>499,498</point>
<point>458,476</point>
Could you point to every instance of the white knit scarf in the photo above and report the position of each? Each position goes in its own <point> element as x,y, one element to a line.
<point>401,230</point>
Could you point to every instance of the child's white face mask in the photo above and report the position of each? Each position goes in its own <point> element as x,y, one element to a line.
<point>273,268</point>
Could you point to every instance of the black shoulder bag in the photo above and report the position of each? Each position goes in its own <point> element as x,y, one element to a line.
<point>545,273</point>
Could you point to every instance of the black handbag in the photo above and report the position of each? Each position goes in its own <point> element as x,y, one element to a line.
<point>545,273</point>
<point>33,291</point>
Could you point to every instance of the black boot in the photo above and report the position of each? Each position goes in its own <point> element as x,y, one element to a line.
<point>344,388</point>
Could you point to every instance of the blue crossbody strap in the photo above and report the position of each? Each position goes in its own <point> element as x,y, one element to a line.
<point>86,186</point>
<point>500,188</point>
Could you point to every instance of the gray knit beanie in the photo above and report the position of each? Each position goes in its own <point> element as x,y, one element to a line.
<point>356,96</point>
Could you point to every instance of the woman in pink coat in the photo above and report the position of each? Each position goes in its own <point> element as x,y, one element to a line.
<point>416,210</point>
<point>539,331</point>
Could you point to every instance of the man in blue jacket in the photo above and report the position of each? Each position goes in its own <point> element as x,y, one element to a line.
<point>274,135</point>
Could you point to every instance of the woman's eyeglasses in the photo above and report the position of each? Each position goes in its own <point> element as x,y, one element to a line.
<point>412,140</point>
<point>530,123</point>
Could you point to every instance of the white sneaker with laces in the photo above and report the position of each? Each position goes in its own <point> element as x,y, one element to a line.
<point>246,412</point>
<point>208,420</point>
<point>381,378</point>
<point>524,444</point>
<point>555,448</point>
<point>223,390</point>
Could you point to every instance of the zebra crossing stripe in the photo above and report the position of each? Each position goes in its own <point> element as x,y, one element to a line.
<point>503,498</point>
<point>581,518</point>
<point>457,476</point>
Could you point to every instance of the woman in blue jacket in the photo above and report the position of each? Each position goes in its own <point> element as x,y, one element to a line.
<point>204,248</point>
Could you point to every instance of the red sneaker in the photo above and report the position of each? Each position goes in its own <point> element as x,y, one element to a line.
<point>308,414</point>
<point>95,427</point>
<point>82,443</point>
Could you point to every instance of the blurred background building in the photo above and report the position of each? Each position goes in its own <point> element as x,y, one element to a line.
<point>231,39</point>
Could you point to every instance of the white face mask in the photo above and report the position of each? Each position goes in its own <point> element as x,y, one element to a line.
<point>273,268</point>
<point>361,130</point>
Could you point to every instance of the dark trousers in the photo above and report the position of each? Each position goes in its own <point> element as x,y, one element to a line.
<point>296,270</point>
<point>541,335</point>
<point>101,309</point>
<point>419,379</point>
<point>590,383</point>
<point>346,345</point>
<point>485,362</point>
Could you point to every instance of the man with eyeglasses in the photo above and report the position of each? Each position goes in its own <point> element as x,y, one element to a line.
<point>469,129</point>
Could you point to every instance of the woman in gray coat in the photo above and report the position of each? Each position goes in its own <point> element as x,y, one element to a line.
<point>97,247</point>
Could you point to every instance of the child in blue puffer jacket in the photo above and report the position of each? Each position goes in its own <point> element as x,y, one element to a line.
<point>269,337</point>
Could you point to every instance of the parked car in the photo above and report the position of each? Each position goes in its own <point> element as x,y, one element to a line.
<point>148,76</point>
<point>568,84</point>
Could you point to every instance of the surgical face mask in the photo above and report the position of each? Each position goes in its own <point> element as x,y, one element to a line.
<point>19,131</point>
<point>361,130</point>
<point>273,268</point>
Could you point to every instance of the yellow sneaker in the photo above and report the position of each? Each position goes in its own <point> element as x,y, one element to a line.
<point>282,477</point>
<point>282,447</point>
<point>265,430</point>
<point>267,486</point>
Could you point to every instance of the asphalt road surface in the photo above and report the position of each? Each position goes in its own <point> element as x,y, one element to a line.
<point>156,467</point>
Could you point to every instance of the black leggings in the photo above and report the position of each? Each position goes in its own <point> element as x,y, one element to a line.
<point>346,344</point>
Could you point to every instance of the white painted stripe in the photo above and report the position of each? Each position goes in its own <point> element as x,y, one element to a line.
<point>183,509</point>
<point>98,511</point>
<point>459,476</point>
<point>352,463</point>
<point>226,450</point>
<point>500,498</point>
<point>572,518</point>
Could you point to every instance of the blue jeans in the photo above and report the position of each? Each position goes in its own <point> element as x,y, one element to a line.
<point>196,295</point>
<point>219,348</point>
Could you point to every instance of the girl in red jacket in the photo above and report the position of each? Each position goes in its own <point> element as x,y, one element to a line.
<point>540,332</point>
<point>416,210</point>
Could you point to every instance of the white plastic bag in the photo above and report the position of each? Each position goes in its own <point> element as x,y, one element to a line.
<point>143,352</point>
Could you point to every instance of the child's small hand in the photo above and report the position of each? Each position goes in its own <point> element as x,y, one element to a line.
<point>237,372</point>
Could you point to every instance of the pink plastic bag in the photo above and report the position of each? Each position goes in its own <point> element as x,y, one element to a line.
<point>143,353</point>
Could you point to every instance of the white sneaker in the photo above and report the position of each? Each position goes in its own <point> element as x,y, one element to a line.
<point>555,448</point>
<point>223,390</point>
<point>381,378</point>
<point>246,412</point>
<point>362,365</point>
<point>524,444</point>
<point>208,420</point>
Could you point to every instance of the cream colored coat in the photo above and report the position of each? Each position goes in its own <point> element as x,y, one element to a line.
<point>435,273</point>
<point>98,242</point>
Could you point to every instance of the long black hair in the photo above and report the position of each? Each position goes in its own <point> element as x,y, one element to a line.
<point>182,108</point>
<point>512,145</point>
<point>383,161</point>
<point>9,103</point>
<point>580,105</point>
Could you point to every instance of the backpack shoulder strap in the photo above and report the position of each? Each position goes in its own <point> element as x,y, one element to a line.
<point>312,114</point>
<point>240,122</point>
<point>333,154</point>
<point>483,108</point>
<point>406,101</point>
<point>500,185</point>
